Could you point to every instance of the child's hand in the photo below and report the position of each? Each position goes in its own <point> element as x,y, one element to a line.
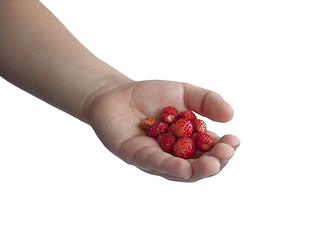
<point>116,114</point>
<point>44,59</point>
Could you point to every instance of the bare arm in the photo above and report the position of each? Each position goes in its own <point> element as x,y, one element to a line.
<point>39,55</point>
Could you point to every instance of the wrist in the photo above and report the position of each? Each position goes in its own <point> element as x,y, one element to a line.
<point>108,81</point>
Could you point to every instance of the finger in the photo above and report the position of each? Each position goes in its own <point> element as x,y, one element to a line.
<point>172,178</point>
<point>211,163</point>
<point>155,159</point>
<point>207,103</point>
<point>205,166</point>
<point>230,140</point>
<point>223,152</point>
<point>146,154</point>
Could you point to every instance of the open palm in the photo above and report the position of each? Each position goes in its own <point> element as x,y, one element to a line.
<point>115,116</point>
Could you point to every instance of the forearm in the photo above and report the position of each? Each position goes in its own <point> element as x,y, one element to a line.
<point>39,55</point>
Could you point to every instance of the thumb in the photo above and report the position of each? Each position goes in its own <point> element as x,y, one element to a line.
<point>207,103</point>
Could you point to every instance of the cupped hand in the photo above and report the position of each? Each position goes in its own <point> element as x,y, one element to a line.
<point>115,116</point>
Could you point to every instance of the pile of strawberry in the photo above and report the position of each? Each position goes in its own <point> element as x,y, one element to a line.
<point>179,134</point>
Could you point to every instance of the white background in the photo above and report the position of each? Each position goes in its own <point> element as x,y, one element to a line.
<point>58,182</point>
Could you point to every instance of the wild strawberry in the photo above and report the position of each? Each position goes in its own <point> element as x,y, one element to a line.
<point>184,148</point>
<point>169,114</point>
<point>187,114</point>
<point>147,121</point>
<point>156,129</point>
<point>194,136</point>
<point>204,142</point>
<point>166,141</point>
<point>199,126</point>
<point>170,129</point>
<point>182,128</point>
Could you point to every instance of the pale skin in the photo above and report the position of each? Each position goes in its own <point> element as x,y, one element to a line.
<point>40,56</point>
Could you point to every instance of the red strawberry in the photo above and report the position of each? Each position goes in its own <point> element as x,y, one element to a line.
<point>147,121</point>
<point>182,128</point>
<point>204,142</point>
<point>187,114</point>
<point>170,128</point>
<point>194,136</point>
<point>156,129</point>
<point>169,114</point>
<point>199,126</point>
<point>184,148</point>
<point>166,141</point>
